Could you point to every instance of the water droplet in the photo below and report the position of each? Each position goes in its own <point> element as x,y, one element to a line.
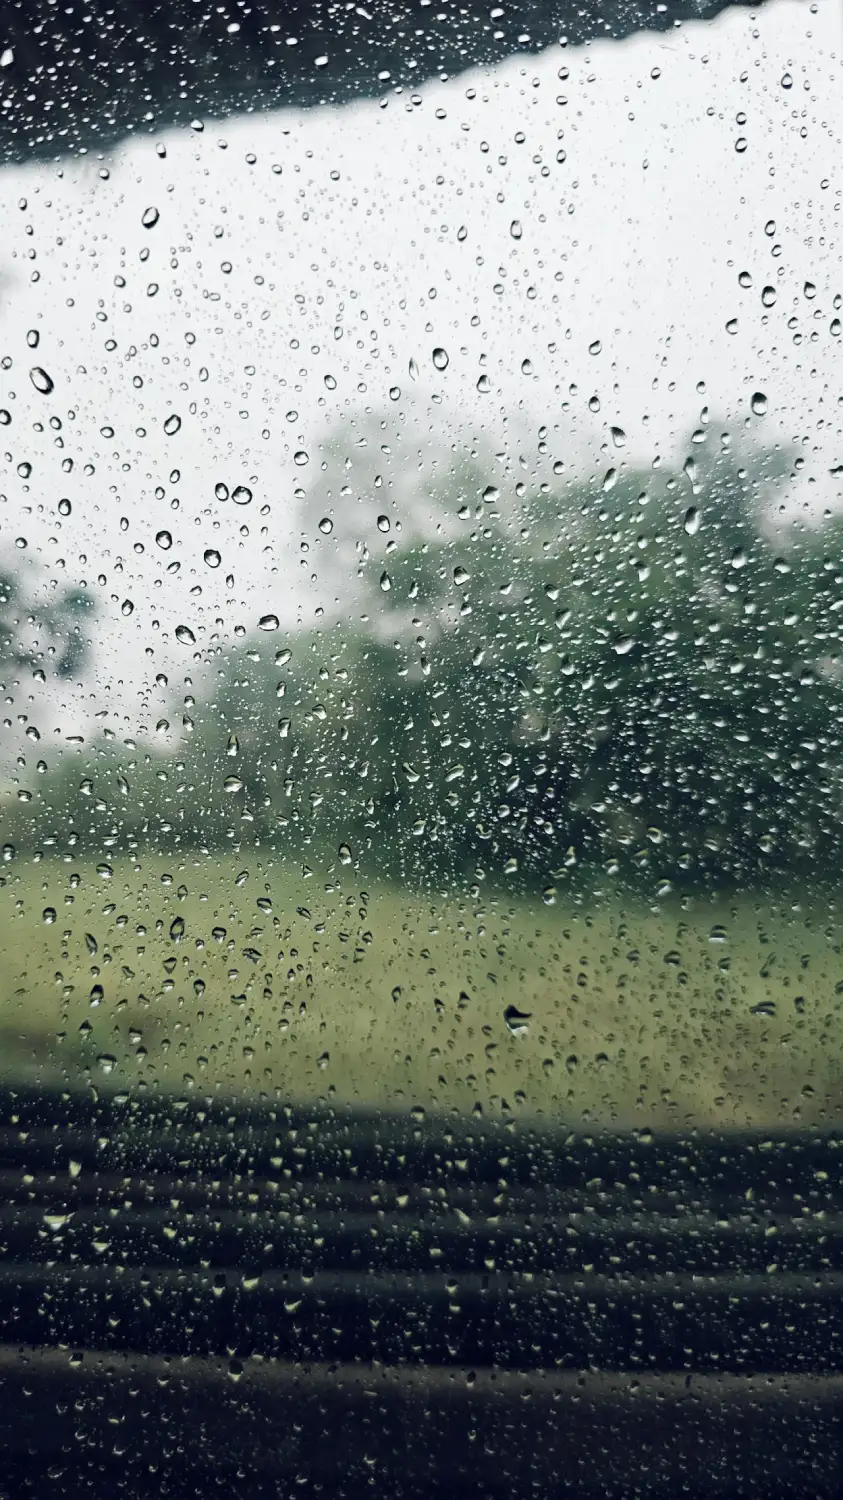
<point>41,380</point>
<point>440,359</point>
<point>233,745</point>
<point>48,915</point>
<point>692,520</point>
<point>768,296</point>
<point>330,383</point>
<point>809,290</point>
<point>515,229</point>
<point>65,507</point>
<point>344,853</point>
<point>595,346</point>
<point>172,424</point>
<point>517,1020</point>
<point>326,526</point>
<point>104,871</point>
<point>185,635</point>
<point>241,495</point>
<point>284,726</point>
<point>413,369</point>
<point>383,523</point>
<point>282,656</point>
<point>268,622</point>
<point>7,57</point>
<point>91,943</point>
<point>164,540</point>
<point>177,929</point>
<point>127,607</point>
<point>618,437</point>
<point>395,393</point>
<point>491,494</point>
<point>759,403</point>
<point>786,81</point>
<point>232,784</point>
<point>300,459</point>
<point>221,491</point>
<point>149,218</point>
<point>212,557</point>
<point>738,559</point>
<point>33,338</point>
<point>385,582</point>
<point>526,367</point>
<point>483,385</point>
<point>623,645</point>
<point>460,576</point>
<point>740,144</point>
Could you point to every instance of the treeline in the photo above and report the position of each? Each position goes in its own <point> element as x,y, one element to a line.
<point>642,675</point>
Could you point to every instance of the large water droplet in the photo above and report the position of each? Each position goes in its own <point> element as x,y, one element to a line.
<point>150,217</point>
<point>172,424</point>
<point>164,540</point>
<point>177,928</point>
<point>326,526</point>
<point>759,403</point>
<point>517,1021</point>
<point>383,523</point>
<point>692,520</point>
<point>49,915</point>
<point>241,495</point>
<point>300,459</point>
<point>440,359</point>
<point>232,784</point>
<point>185,635</point>
<point>515,229</point>
<point>268,622</point>
<point>65,507</point>
<point>212,557</point>
<point>41,380</point>
<point>221,491</point>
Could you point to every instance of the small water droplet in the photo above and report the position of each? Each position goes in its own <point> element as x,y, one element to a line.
<point>491,494</point>
<point>395,393</point>
<point>104,871</point>
<point>692,520</point>
<point>300,459</point>
<point>49,915</point>
<point>618,437</point>
<point>41,380</point>
<point>172,424</point>
<point>344,853</point>
<point>460,576</point>
<point>127,607</point>
<point>768,296</point>
<point>33,338</point>
<point>385,582</point>
<point>221,491</point>
<point>330,383</point>
<point>232,784</point>
<point>413,369</point>
<point>282,656</point>
<point>177,929</point>
<point>326,526</point>
<point>212,557</point>
<point>233,745</point>
<point>526,367</point>
<point>65,507</point>
<point>483,385</point>
<point>164,540</point>
<point>268,622</point>
<point>786,81</point>
<point>149,218</point>
<point>517,1021</point>
<point>515,229</point>
<point>185,635</point>
<point>759,403</point>
<point>383,523</point>
<point>809,290</point>
<point>740,144</point>
<point>241,495</point>
<point>440,359</point>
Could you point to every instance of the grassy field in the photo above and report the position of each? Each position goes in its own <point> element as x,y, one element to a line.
<point>222,977</point>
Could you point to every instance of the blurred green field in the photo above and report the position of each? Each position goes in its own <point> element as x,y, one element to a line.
<point>215,976</point>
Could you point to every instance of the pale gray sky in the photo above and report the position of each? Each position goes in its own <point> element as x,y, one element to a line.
<point>288,301</point>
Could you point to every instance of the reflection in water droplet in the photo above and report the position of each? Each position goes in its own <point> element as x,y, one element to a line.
<point>41,380</point>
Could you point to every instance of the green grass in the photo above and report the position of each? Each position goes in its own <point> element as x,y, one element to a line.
<point>348,990</point>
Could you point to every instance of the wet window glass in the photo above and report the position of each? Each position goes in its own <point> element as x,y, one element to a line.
<point>421,594</point>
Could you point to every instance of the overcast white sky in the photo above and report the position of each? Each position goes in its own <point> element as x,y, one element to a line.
<point>388,232</point>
